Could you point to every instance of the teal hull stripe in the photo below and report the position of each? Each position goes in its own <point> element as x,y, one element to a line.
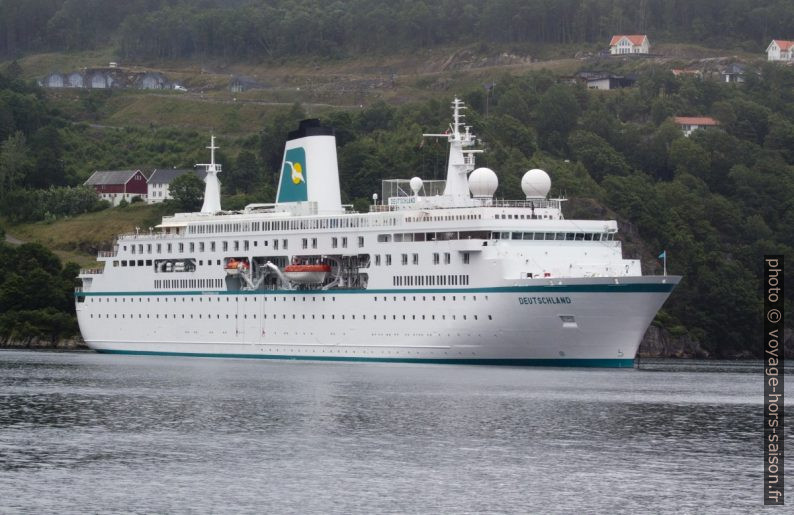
<point>591,363</point>
<point>546,289</point>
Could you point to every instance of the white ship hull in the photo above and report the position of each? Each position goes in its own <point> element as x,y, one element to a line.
<point>588,322</point>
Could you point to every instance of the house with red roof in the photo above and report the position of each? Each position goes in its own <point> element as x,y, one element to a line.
<point>117,185</point>
<point>780,50</point>
<point>689,124</point>
<point>629,44</point>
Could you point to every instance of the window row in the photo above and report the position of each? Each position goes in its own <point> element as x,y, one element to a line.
<point>187,283</point>
<point>293,316</point>
<point>430,280</point>
<point>433,236</point>
<point>293,298</point>
<point>555,236</point>
<point>343,222</point>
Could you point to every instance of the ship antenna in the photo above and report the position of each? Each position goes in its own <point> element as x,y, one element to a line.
<point>212,187</point>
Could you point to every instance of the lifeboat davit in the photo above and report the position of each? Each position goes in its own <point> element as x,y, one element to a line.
<point>234,266</point>
<point>307,274</point>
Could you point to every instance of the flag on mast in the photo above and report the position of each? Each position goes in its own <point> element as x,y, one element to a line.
<point>663,257</point>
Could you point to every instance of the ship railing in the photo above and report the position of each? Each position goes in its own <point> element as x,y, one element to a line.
<point>92,271</point>
<point>150,236</point>
<point>107,253</point>
<point>529,203</point>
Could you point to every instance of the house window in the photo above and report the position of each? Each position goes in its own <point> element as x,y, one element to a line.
<point>388,259</point>
<point>415,259</point>
<point>447,258</point>
<point>465,258</point>
<point>377,259</point>
<point>304,243</point>
<point>404,259</point>
<point>344,242</point>
<point>334,242</point>
<point>314,243</point>
<point>360,241</point>
<point>436,258</point>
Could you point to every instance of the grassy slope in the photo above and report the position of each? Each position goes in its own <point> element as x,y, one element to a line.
<point>319,85</point>
<point>78,238</point>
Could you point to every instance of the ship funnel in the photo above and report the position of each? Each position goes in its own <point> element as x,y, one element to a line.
<point>309,170</point>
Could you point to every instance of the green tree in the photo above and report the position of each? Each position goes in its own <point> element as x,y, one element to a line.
<point>555,116</point>
<point>597,155</point>
<point>15,162</point>
<point>245,175</point>
<point>188,192</point>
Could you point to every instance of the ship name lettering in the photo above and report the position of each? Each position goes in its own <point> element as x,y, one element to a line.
<point>544,300</point>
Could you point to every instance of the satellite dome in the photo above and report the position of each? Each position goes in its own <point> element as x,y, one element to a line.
<point>416,185</point>
<point>483,183</point>
<point>536,183</point>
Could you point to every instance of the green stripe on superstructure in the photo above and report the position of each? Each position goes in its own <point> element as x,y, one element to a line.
<point>590,363</point>
<point>548,289</point>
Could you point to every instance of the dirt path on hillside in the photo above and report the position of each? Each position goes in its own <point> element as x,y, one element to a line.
<point>13,241</point>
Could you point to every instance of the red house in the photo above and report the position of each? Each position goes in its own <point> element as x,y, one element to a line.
<point>117,185</point>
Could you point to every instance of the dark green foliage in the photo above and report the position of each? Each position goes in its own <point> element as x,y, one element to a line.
<point>597,155</point>
<point>32,205</point>
<point>156,29</point>
<point>244,176</point>
<point>35,294</point>
<point>188,192</point>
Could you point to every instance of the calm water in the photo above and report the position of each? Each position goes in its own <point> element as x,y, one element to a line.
<point>82,432</point>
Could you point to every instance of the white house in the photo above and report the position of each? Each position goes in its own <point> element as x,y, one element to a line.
<point>625,44</point>
<point>780,50</point>
<point>160,181</point>
<point>689,124</point>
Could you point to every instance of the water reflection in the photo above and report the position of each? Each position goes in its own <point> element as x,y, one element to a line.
<point>95,433</point>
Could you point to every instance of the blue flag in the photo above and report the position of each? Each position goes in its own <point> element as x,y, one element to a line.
<point>663,255</point>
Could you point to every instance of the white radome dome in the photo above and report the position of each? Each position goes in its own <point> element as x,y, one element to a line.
<point>416,185</point>
<point>536,183</point>
<point>483,183</point>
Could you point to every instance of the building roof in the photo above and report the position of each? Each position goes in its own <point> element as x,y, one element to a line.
<point>695,120</point>
<point>105,177</point>
<point>783,44</point>
<point>734,69</point>
<point>166,175</point>
<point>635,39</point>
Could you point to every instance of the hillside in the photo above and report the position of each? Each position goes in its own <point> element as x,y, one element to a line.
<point>716,201</point>
<point>79,238</point>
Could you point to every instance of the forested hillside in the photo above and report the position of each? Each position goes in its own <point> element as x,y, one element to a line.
<point>716,201</point>
<point>258,29</point>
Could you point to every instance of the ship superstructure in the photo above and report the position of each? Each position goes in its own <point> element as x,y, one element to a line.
<point>438,271</point>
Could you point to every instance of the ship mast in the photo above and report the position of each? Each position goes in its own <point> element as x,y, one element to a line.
<point>461,161</point>
<point>212,187</point>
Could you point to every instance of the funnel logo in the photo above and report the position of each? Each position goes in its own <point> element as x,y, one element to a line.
<point>292,186</point>
<point>297,172</point>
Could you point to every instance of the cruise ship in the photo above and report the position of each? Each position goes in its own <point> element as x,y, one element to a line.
<point>438,271</point>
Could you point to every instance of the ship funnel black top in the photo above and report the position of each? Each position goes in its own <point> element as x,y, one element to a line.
<point>310,127</point>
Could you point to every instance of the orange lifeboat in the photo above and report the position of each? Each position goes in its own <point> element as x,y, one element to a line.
<point>307,274</point>
<point>235,266</point>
